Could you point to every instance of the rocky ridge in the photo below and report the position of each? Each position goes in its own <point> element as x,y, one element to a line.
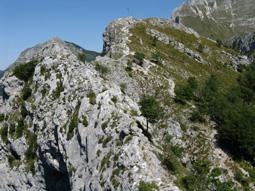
<point>105,149</point>
<point>81,128</point>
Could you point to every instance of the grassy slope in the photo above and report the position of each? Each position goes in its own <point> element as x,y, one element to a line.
<point>179,67</point>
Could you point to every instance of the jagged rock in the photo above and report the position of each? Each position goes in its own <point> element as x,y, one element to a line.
<point>116,37</point>
<point>236,62</point>
<point>244,43</point>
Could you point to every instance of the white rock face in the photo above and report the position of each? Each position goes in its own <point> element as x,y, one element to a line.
<point>116,37</point>
<point>83,142</point>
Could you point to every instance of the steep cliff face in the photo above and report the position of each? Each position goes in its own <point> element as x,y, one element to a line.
<point>244,43</point>
<point>68,124</point>
<point>218,19</point>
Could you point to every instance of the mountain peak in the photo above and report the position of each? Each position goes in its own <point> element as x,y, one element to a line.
<point>54,47</point>
<point>218,19</point>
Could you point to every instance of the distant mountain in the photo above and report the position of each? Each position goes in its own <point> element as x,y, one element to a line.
<point>217,19</point>
<point>89,55</point>
<point>35,52</point>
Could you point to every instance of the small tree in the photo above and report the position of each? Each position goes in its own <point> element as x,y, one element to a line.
<point>186,91</point>
<point>82,57</point>
<point>156,58</point>
<point>150,109</point>
<point>25,71</point>
<point>219,43</point>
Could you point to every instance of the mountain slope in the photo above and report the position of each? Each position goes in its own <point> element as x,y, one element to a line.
<point>67,124</point>
<point>217,19</point>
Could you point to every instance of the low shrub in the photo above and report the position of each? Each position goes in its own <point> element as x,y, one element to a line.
<point>92,97</point>
<point>2,117</point>
<point>103,70</point>
<point>26,92</point>
<point>139,58</point>
<point>30,154</point>
<point>25,71</point>
<point>82,57</point>
<point>74,122</point>
<point>57,92</point>
<point>147,186</point>
<point>4,133</point>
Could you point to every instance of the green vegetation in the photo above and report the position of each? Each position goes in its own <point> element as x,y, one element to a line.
<point>43,70</point>
<point>104,125</point>
<point>82,57</point>
<point>103,70</point>
<point>202,179</point>
<point>185,92</point>
<point>178,65</point>
<point>74,122</point>
<point>156,58</point>
<point>129,68</point>
<point>150,109</point>
<point>105,161</point>
<point>106,141</point>
<point>20,128</point>
<point>115,174</point>
<point>114,99</point>
<point>147,186</point>
<point>2,116</point>
<point>4,133</point>
<point>92,97</point>
<point>232,110</point>
<point>26,92</point>
<point>23,110</point>
<point>30,154</point>
<point>170,159</point>
<point>85,121</point>
<point>219,43</point>
<point>12,161</point>
<point>25,71</point>
<point>208,27</point>
<point>138,58</point>
<point>56,93</point>
<point>123,87</point>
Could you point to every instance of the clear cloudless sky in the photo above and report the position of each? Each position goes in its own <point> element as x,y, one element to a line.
<point>24,23</point>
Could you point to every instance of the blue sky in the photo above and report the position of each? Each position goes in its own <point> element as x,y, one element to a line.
<point>24,23</point>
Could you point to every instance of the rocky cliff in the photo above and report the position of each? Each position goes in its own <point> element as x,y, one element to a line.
<point>69,124</point>
<point>217,19</point>
<point>244,43</point>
